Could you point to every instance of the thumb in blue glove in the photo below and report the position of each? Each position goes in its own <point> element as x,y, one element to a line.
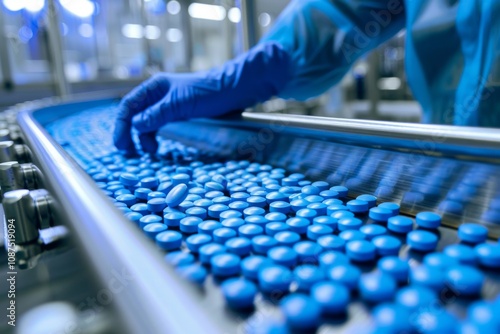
<point>242,82</point>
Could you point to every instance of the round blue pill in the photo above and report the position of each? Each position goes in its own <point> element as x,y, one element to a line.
<point>321,185</point>
<point>350,223</point>
<point>376,287</point>
<point>357,206</point>
<point>299,204</point>
<point>203,203</point>
<point>301,312</point>
<point>430,277</point>
<point>250,230</point>
<point>331,296</point>
<point>315,199</point>
<point>156,204</point>
<point>307,251</point>
<point>152,230</point>
<point>156,194</point>
<point>341,190</point>
<point>275,196</point>
<point>400,224</point>
<point>434,321</point>
<point>169,240</point>
<point>488,255</point>
<point>128,199</point>
<point>149,219</point>
<point>173,218</point>
<point>340,214</point>
<point>394,266</point>
<point>310,190</point>
<point>254,211</point>
<point>275,227</point>
<point>298,225</point>
<point>283,255</point>
<point>429,220</point>
<point>307,275</point>
<point>332,258</point>
<point>221,235</point>
<point>179,258</point>
<point>149,182</point>
<point>129,179</point>
<point>329,194</point>
<point>373,230</point>
<point>422,241</point>
<point>332,202</point>
<point>185,205</point>
<point>316,231</point>
<point>193,272</point>
<point>134,217</point>
<point>462,253</point>
<point>276,217</point>
<point>261,244</point>
<point>251,265</point>
<point>415,297</point>
<point>370,199</point>
<point>325,220</point>
<point>287,238</point>
<point>275,279</point>
<point>230,214</point>
<point>380,214</point>
<point>386,245</point>
<point>215,210</point>
<point>225,264</point>
<point>351,235</point>
<point>189,224</point>
<point>209,250</point>
<point>239,245</point>
<point>308,214</point>
<point>344,274</point>
<point>195,241</point>
<point>257,201</point>
<point>393,207</point>
<point>391,318</point>
<point>472,233</point>
<point>280,206</point>
<point>257,220</point>
<point>360,250</point>
<point>439,261</point>
<point>331,208</point>
<point>176,195</point>
<point>238,206</point>
<point>211,195</point>
<point>196,211</point>
<point>239,293</point>
<point>208,227</point>
<point>331,242</point>
<point>465,280</point>
<point>233,223</point>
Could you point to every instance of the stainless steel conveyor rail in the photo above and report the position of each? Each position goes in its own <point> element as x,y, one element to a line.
<point>155,300</point>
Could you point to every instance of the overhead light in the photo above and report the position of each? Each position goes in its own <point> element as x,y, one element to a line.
<point>86,30</point>
<point>14,5</point>
<point>132,31</point>
<point>234,15</point>
<point>80,8</point>
<point>152,32</point>
<point>264,19</point>
<point>173,7</point>
<point>206,12</point>
<point>34,6</point>
<point>174,35</point>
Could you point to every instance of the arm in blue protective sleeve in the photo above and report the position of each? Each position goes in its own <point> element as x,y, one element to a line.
<point>253,77</point>
<point>325,37</point>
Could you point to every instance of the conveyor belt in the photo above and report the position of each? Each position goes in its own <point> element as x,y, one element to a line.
<point>461,187</point>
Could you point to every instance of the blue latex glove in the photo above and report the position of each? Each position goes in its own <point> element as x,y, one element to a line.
<point>242,82</point>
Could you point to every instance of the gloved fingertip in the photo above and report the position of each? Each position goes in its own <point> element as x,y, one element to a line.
<point>148,142</point>
<point>122,137</point>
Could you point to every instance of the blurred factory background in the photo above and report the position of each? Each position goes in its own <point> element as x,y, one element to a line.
<point>61,47</point>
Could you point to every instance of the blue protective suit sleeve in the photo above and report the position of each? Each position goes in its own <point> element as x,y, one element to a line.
<point>325,37</point>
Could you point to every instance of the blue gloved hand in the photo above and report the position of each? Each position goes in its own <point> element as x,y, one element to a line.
<point>251,78</point>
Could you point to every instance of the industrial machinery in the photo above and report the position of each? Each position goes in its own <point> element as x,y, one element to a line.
<point>81,265</point>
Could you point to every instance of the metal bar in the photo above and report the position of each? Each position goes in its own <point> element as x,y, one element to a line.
<point>186,33</point>
<point>248,22</point>
<point>155,299</point>
<point>56,51</point>
<point>426,138</point>
<point>8,82</point>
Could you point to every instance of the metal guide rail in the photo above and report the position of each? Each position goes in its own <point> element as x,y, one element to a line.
<point>455,176</point>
